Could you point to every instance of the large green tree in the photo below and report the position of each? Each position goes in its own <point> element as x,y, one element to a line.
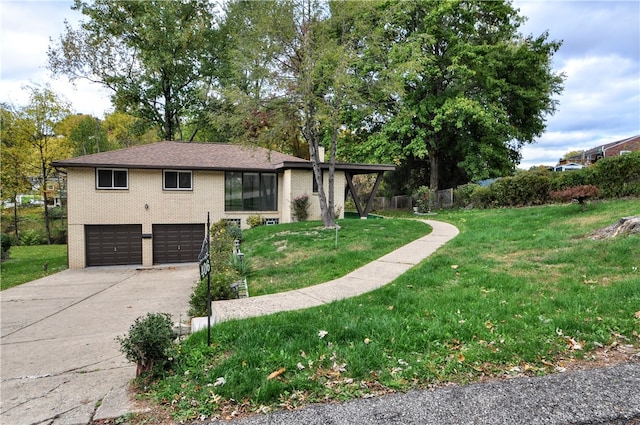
<point>456,85</point>
<point>45,110</point>
<point>15,158</point>
<point>85,133</point>
<point>285,82</point>
<point>159,58</point>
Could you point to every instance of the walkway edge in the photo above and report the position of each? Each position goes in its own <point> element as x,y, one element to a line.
<point>367,278</point>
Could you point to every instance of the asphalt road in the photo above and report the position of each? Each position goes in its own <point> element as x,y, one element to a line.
<point>608,395</point>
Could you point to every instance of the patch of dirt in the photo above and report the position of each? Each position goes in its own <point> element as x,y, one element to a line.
<point>624,227</point>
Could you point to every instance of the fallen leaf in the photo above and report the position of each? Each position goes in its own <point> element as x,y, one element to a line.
<point>220,381</point>
<point>322,334</point>
<point>455,266</point>
<point>573,344</point>
<point>276,373</point>
<point>637,315</point>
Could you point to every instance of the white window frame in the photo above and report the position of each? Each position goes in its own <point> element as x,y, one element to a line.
<point>112,187</point>
<point>178,172</point>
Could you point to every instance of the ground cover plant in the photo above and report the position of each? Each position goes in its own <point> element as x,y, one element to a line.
<point>31,225</point>
<point>518,291</point>
<point>301,254</point>
<point>27,263</point>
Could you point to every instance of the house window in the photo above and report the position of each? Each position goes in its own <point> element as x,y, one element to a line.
<point>177,180</point>
<point>250,191</point>
<point>315,182</point>
<point>108,178</point>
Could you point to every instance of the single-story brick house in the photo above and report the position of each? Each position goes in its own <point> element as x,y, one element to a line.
<point>617,148</point>
<point>148,204</point>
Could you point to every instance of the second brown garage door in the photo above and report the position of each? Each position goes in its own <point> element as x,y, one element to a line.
<point>177,243</point>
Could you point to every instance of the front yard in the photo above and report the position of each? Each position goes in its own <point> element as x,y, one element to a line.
<point>519,291</point>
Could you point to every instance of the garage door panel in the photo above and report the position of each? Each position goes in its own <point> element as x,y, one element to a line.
<point>113,244</point>
<point>177,243</point>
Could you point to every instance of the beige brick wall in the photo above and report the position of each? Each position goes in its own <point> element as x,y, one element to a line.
<point>302,182</point>
<point>146,203</point>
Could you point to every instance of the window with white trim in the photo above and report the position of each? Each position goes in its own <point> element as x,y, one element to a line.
<point>177,180</point>
<point>112,178</point>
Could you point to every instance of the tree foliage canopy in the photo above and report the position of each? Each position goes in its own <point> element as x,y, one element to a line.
<point>448,90</point>
<point>158,57</point>
<point>459,87</point>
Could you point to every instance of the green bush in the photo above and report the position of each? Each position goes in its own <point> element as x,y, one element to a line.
<point>223,234</point>
<point>148,342</point>
<point>56,212</point>
<point>234,231</point>
<point>300,205</point>
<point>462,195</point>
<point>242,267</point>
<point>424,199</point>
<point>255,220</point>
<point>32,237</point>
<point>6,243</point>
<point>59,237</point>
<point>615,177</point>
<point>483,197</point>
<point>618,176</point>
<point>221,280</point>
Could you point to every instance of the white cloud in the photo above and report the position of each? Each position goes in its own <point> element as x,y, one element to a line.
<point>600,56</point>
<point>25,30</point>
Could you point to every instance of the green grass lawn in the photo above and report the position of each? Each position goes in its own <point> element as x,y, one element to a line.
<point>26,263</point>
<point>517,291</point>
<point>297,255</point>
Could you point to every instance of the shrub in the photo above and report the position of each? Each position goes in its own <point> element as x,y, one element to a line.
<point>618,176</point>
<point>462,195</point>
<point>223,234</point>
<point>59,237</point>
<point>482,197</point>
<point>255,220</point>
<point>424,199</point>
<point>234,231</point>
<point>579,193</point>
<point>242,267</point>
<point>31,237</point>
<point>6,243</point>
<point>56,212</point>
<point>221,280</point>
<point>148,342</point>
<point>300,205</point>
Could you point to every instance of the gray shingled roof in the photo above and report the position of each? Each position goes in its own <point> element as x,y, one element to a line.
<point>184,155</point>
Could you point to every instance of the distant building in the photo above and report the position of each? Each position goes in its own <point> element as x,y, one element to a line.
<point>591,156</point>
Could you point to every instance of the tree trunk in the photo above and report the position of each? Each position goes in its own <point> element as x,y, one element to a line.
<point>44,195</point>
<point>434,164</point>
<point>15,218</point>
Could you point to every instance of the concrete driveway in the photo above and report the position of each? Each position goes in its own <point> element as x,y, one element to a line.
<point>60,363</point>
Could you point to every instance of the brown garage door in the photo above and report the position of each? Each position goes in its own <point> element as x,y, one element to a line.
<point>177,243</point>
<point>113,244</point>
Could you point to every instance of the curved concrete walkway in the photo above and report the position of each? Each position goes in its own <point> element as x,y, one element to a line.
<point>365,279</point>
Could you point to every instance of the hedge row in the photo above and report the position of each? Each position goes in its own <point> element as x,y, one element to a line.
<point>615,177</point>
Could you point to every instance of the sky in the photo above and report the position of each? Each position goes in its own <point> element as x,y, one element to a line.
<point>600,57</point>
